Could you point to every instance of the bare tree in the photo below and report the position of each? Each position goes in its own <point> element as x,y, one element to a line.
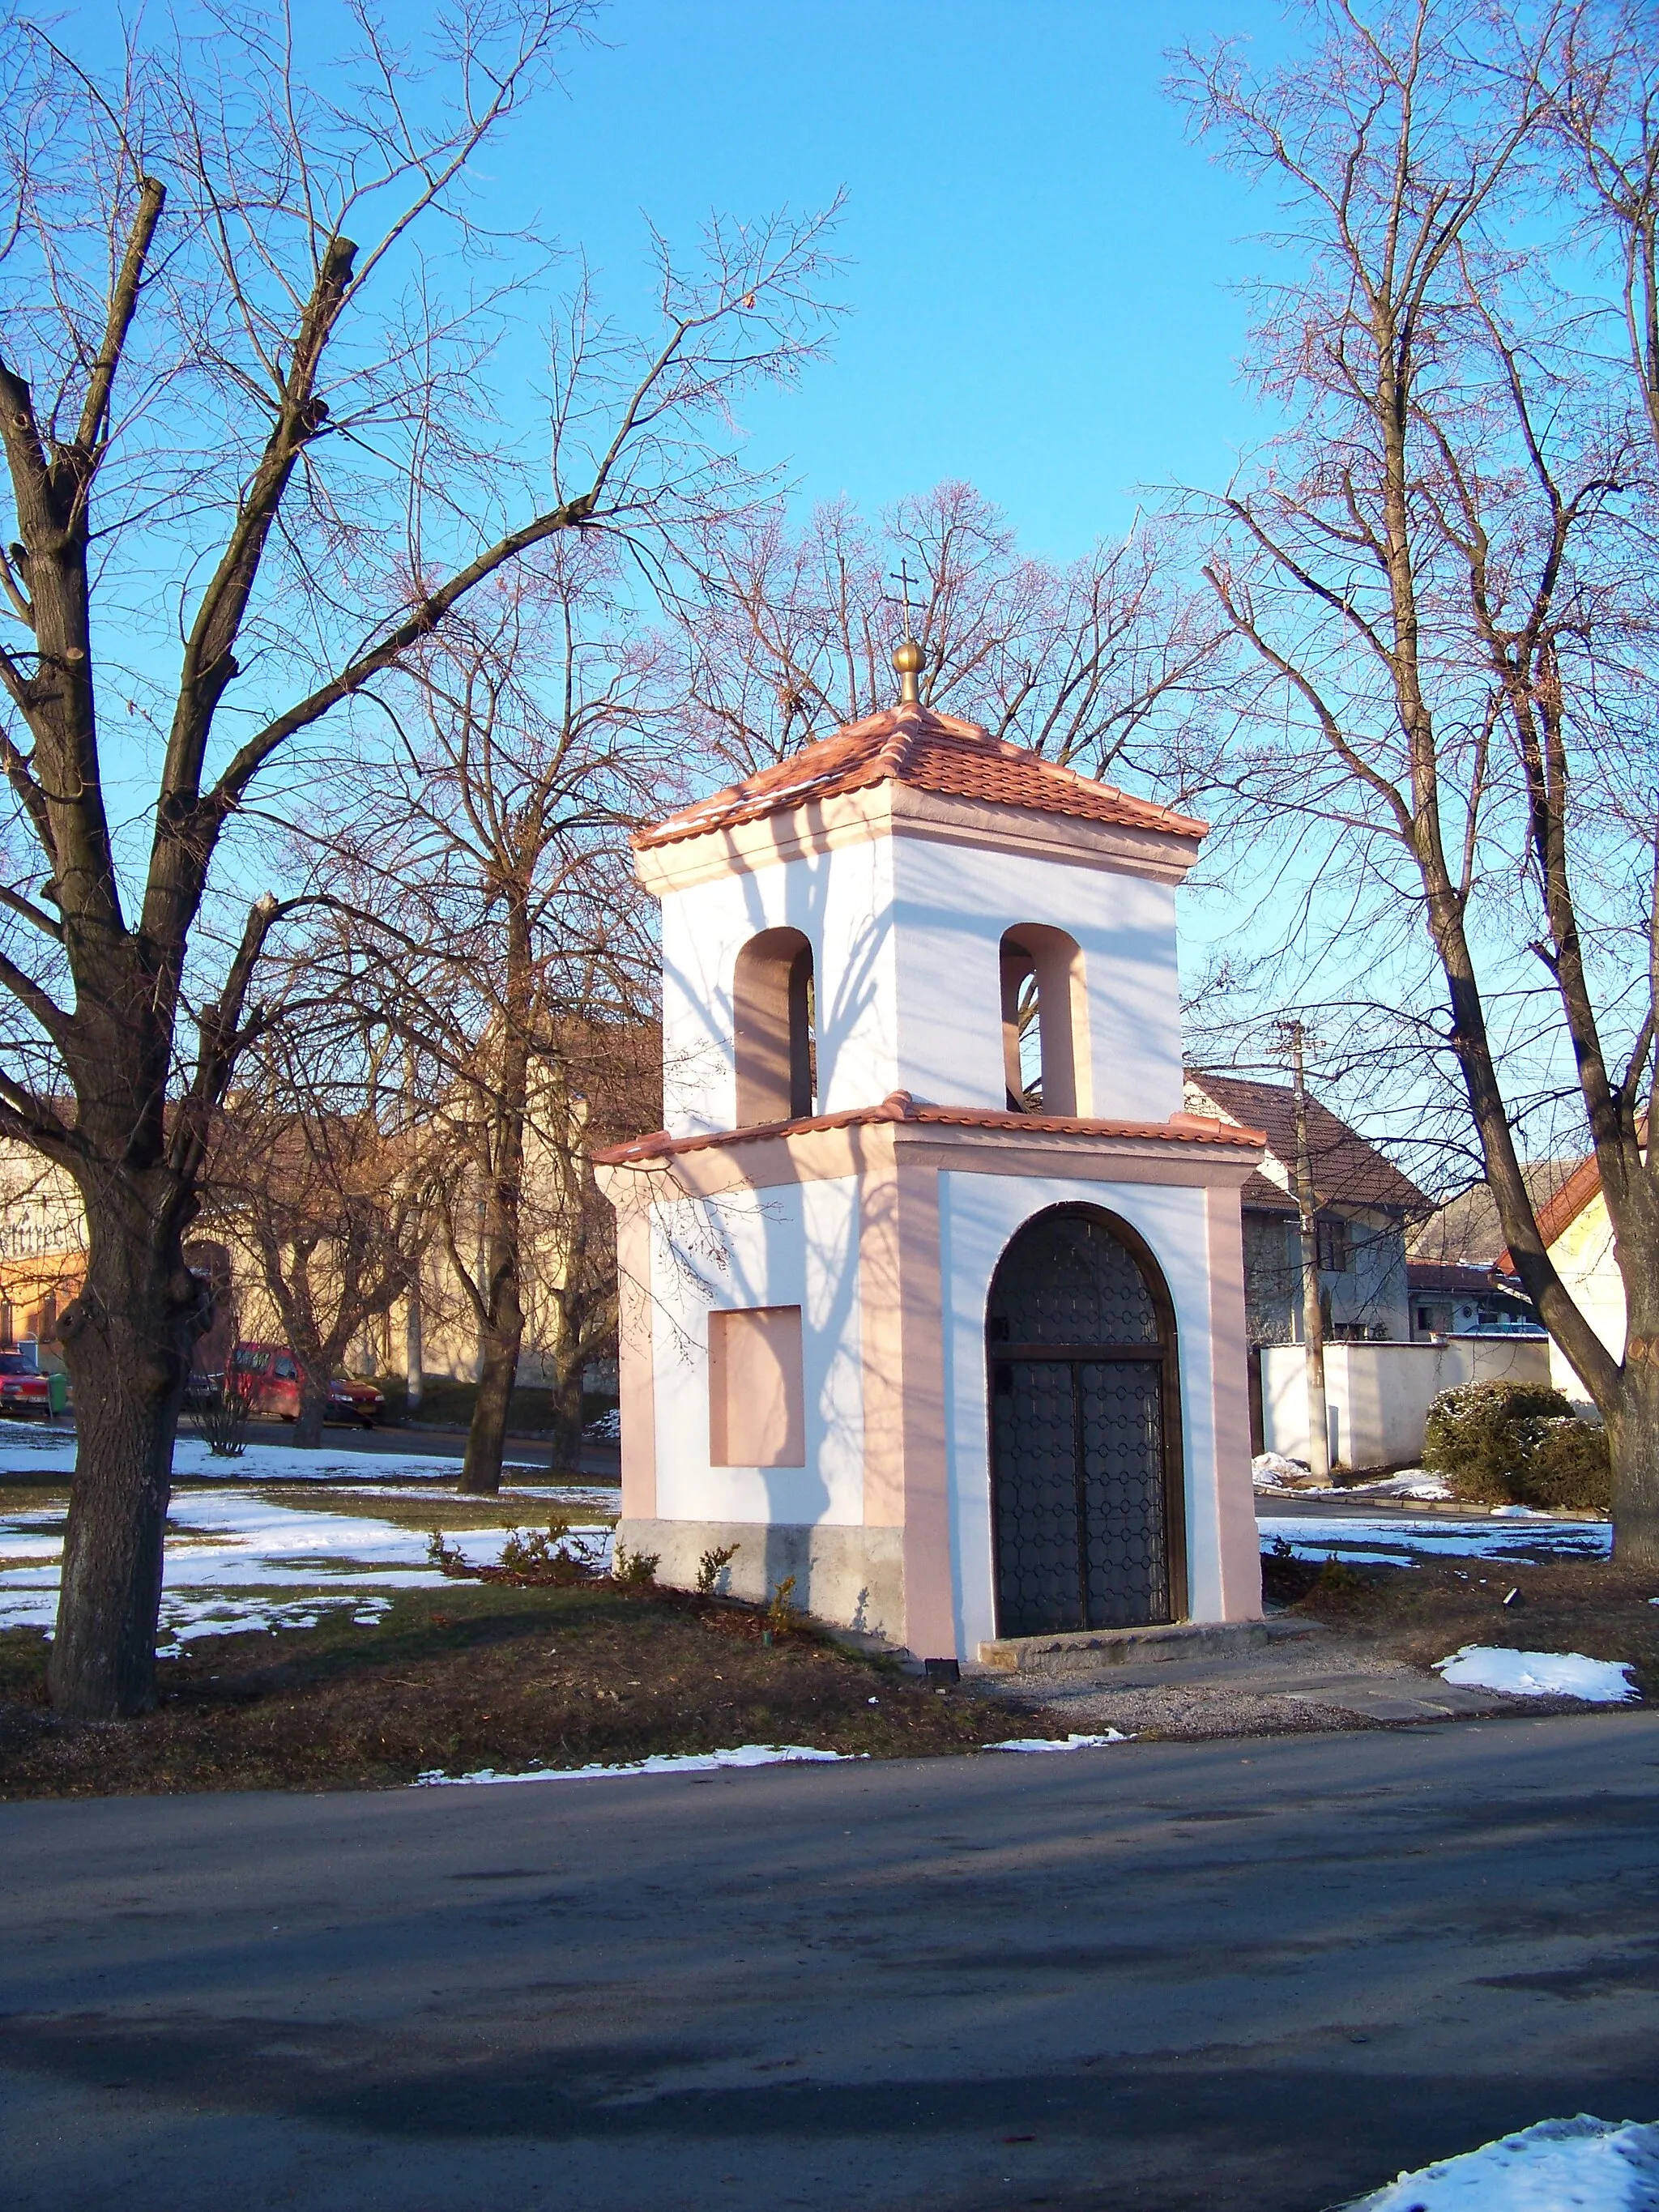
<point>601,1085</point>
<point>318,1174</point>
<point>1081,662</point>
<point>498,924</point>
<point>247,387</point>
<point>1608,119</point>
<point>1441,575</point>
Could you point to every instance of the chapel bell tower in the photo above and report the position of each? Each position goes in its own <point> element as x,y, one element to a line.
<point>921,1048</point>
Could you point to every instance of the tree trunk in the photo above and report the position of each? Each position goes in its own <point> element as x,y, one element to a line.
<point>486,1439</point>
<point>314,1406</point>
<point>414,1352</point>
<point>1633,1441</point>
<point>501,1299</point>
<point>565,1455</point>
<point>127,1340</point>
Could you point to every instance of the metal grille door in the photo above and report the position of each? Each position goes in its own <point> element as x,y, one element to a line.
<point>1121,1434</point>
<point>1038,1531</point>
<point>1078,1448</point>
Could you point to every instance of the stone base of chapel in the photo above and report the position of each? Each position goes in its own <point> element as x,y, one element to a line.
<point>850,1577</point>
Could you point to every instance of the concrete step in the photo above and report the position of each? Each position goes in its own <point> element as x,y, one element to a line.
<point>1086,1652</point>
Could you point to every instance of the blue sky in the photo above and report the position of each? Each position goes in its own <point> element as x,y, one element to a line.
<point>1041,264</point>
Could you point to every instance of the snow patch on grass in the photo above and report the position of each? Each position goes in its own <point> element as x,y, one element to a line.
<point>1590,2164</point>
<point>1401,1542</point>
<point>52,1451</point>
<point>35,1450</point>
<point>234,1540</point>
<point>1061,1742</point>
<point>1539,1673</point>
<point>185,1619</point>
<point>661,1762</point>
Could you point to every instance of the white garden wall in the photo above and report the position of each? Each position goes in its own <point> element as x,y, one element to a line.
<point>1379,1393</point>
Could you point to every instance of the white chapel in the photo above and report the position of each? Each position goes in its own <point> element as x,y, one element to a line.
<point>932,1295</point>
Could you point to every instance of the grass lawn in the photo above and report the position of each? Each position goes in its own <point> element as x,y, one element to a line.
<point>33,1497</point>
<point>437,1508</point>
<point>476,1676</point>
<point>1422,1614</point>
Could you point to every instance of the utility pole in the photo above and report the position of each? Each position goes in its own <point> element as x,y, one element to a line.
<point>1313,1317</point>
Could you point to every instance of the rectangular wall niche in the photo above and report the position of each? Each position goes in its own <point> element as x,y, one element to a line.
<point>756,1389</point>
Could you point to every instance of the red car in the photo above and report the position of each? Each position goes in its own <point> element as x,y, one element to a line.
<point>25,1389</point>
<point>268,1375</point>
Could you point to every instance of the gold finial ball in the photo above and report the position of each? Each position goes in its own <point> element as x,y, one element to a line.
<point>907,658</point>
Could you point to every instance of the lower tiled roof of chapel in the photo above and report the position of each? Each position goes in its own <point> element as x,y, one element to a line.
<point>900,1106</point>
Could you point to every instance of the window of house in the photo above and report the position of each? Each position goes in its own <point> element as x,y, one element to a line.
<point>1335,1240</point>
<point>774,1007</point>
<point>757,1388</point>
<point>1045,1060</point>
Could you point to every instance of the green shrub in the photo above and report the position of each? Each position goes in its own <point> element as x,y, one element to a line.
<point>1568,1468</point>
<point>633,1569</point>
<point>712,1566</point>
<point>1338,1579</point>
<point>448,1558</point>
<point>1480,1436</point>
<point>559,1557</point>
<point>1518,1443</point>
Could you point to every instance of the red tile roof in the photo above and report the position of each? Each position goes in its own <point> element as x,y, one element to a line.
<point>1558,1215</point>
<point>912,745</point>
<point>900,1106</point>
<point>1347,1169</point>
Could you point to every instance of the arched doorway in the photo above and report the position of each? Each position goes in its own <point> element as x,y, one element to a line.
<point>1085,1446</point>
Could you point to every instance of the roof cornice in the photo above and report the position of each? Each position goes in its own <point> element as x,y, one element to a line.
<point>899,810</point>
<point>899,1106</point>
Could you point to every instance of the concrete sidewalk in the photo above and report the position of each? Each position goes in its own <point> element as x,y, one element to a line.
<point>1315,1677</point>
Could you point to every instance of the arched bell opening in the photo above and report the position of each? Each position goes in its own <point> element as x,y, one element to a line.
<point>1045,1046</point>
<point>776,1049</point>
<point>1087,1503</point>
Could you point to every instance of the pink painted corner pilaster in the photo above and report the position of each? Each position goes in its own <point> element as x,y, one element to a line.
<point>906,1481</point>
<point>1238,1545</point>
<point>930,1609</point>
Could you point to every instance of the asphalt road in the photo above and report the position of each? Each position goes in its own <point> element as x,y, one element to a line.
<point>1262,1974</point>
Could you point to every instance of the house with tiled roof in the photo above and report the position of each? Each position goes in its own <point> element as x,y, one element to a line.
<point>931,1284</point>
<point>1364,1205</point>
